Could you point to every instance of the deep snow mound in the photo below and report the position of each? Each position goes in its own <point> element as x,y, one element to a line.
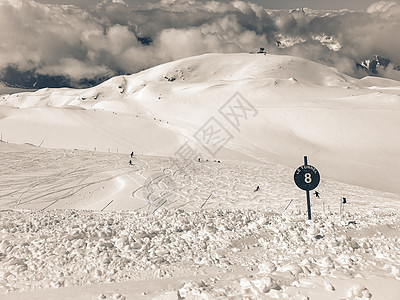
<point>227,253</point>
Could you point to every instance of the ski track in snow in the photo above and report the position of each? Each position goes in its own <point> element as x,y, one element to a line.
<point>36,178</point>
<point>198,226</point>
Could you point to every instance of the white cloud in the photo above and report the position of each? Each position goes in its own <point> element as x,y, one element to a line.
<point>380,6</point>
<point>76,69</point>
<point>103,40</point>
<point>119,2</point>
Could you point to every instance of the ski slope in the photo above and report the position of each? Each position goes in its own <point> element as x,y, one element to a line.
<point>80,217</point>
<point>347,126</point>
<point>45,179</point>
<point>194,230</point>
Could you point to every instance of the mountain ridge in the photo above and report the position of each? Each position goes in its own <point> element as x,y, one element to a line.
<point>194,70</point>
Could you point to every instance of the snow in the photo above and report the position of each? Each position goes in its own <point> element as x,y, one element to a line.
<point>224,252</point>
<point>77,220</point>
<point>302,108</point>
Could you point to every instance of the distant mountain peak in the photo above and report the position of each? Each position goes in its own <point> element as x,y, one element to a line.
<point>375,64</point>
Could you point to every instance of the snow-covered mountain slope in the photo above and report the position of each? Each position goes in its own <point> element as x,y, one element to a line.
<point>347,127</point>
<point>172,227</point>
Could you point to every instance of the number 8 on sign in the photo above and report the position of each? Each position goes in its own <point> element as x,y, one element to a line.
<point>307,177</point>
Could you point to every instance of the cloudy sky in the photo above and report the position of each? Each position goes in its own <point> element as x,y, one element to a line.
<point>272,4</point>
<point>94,40</point>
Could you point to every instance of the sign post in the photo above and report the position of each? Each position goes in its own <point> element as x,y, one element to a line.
<point>307,178</point>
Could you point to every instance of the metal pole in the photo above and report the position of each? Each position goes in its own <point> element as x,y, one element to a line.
<point>205,201</point>
<point>288,205</point>
<point>106,205</point>
<point>308,204</point>
<point>308,194</point>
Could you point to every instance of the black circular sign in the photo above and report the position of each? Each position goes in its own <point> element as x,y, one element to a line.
<point>306,177</point>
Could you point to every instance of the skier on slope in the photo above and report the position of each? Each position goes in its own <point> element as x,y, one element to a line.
<point>257,188</point>
<point>316,193</point>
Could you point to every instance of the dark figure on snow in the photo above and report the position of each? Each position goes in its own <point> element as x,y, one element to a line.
<point>344,200</point>
<point>132,154</point>
<point>316,193</point>
<point>257,188</point>
<point>130,162</point>
<point>199,159</point>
